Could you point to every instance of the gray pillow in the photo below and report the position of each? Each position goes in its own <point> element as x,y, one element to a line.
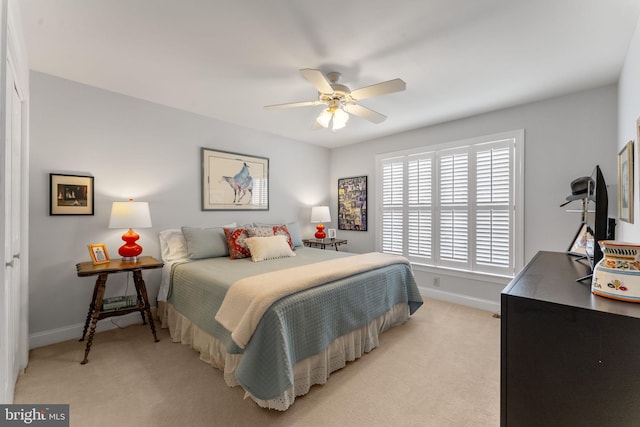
<point>205,242</point>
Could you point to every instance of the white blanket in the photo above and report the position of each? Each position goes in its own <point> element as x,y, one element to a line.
<point>248,299</point>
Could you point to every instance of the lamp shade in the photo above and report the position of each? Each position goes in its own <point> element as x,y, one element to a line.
<point>320,214</point>
<point>129,215</point>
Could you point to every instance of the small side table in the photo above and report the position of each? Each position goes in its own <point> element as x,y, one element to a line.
<point>324,243</point>
<point>85,269</point>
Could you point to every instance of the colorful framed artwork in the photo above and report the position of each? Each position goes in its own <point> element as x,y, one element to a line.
<point>352,203</point>
<point>70,194</point>
<point>233,181</point>
<point>625,183</point>
<point>98,252</point>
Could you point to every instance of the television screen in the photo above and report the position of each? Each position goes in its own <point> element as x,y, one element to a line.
<point>601,220</point>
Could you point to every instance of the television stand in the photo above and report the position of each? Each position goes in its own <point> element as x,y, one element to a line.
<point>568,357</point>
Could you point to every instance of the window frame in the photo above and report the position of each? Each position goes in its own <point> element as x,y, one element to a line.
<point>471,266</point>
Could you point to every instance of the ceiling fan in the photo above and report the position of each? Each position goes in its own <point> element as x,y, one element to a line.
<point>341,101</point>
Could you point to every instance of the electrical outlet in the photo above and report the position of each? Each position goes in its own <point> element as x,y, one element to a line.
<point>436,282</point>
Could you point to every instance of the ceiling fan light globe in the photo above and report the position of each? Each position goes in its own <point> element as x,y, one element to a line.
<point>324,118</point>
<point>340,119</point>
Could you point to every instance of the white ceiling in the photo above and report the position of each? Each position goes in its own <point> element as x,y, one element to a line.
<point>227,59</point>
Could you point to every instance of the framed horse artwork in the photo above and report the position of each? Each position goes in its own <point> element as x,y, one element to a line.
<point>234,181</point>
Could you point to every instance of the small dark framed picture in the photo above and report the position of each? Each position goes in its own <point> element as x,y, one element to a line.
<point>70,194</point>
<point>98,252</point>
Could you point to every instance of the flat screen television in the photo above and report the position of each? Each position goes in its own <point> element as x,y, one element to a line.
<point>601,216</point>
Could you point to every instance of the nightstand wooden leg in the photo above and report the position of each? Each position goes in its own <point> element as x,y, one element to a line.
<point>92,307</point>
<point>140,303</point>
<point>99,292</point>
<point>142,289</point>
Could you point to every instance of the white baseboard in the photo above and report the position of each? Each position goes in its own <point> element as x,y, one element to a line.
<point>479,303</point>
<point>74,332</point>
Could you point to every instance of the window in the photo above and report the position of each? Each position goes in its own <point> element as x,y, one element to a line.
<point>455,205</point>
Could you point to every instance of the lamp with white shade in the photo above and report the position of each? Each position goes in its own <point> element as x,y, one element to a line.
<point>320,214</point>
<point>130,215</point>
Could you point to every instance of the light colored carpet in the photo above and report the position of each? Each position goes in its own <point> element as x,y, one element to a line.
<point>442,368</point>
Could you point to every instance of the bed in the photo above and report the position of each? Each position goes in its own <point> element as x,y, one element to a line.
<point>325,320</point>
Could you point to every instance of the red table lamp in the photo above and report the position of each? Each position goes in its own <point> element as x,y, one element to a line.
<point>320,214</point>
<point>129,215</point>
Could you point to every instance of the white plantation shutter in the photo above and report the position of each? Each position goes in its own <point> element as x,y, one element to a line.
<point>420,209</point>
<point>454,206</point>
<point>451,207</point>
<point>393,233</point>
<point>392,205</point>
<point>493,205</point>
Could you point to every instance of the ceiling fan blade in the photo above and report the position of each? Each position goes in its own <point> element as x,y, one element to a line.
<point>317,79</point>
<point>395,85</point>
<point>365,113</point>
<point>293,105</point>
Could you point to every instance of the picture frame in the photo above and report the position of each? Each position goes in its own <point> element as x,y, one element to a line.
<point>352,203</point>
<point>582,243</point>
<point>625,183</point>
<point>99,253</point>
<point>331,233</point>
<point>234,181</point>
<point>70,194</point>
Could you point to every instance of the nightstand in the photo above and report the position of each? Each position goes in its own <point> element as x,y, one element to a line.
<point>324,243</point>
<point>85,269</point>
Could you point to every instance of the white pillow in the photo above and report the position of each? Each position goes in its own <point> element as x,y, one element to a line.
<point>264,248</point>
<point>173,246</point>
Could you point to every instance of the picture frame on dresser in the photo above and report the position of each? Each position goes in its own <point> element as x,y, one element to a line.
<point>582,243</point>
<point>70,194</point>
<point>234,181</point>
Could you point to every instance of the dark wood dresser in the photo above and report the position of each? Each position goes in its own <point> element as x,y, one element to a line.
<point>568,357</point>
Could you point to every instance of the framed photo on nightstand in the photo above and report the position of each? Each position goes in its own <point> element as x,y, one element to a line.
<point>98,252</point>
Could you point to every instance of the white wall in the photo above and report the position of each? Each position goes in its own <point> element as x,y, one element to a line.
<point>565,137</point>
<point>628,115</point>
<point>146,151</point>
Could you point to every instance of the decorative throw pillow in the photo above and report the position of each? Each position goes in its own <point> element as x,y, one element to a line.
<point>264,248</point>
<point>236,242</point>
<point>292,227</point>
<point>282,230</point>
<point>260,231</point>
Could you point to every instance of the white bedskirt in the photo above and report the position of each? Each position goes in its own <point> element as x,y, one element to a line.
<point>313,370</point>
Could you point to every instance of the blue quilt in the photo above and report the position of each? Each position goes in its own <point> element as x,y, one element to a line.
<point>295,327</point>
